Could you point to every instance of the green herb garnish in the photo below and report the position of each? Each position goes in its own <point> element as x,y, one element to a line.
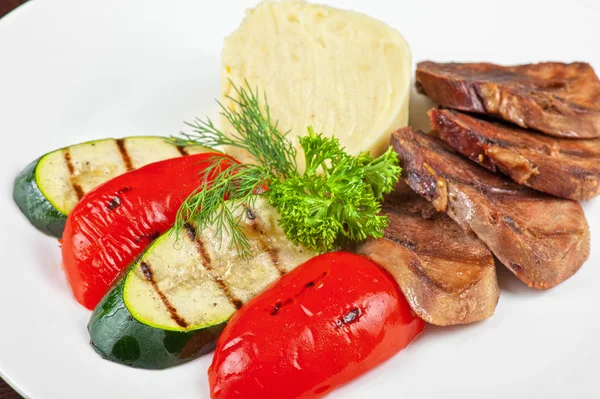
<point>335,201</point>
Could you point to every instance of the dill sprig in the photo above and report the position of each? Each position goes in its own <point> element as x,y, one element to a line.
<point>254,132</point>
<point>224,192</point>
<point>335,201</point>
<point>220,199</point>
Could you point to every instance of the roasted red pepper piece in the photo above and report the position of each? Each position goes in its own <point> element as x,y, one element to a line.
<point>321,325</point>
<point>113,224</point>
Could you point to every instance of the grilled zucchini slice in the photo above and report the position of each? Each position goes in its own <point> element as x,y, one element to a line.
<point>176,298</point>
<point>47,189</point>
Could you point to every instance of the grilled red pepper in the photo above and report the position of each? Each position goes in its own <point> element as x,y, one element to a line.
<point>321,325</point>
<point>115,222</point>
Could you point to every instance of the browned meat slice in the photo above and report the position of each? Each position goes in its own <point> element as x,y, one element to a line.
<point>446,274</point>
<point>542,239</point>
<point>555,98</point>
<point>565,168</point>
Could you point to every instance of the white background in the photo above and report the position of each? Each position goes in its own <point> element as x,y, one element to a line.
<point>78,70</point>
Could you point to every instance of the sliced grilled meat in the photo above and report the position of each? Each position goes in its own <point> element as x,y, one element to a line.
<point>552,97</point>
<point>542,239</point>
<point>562,167</point>
<point>446,274</point>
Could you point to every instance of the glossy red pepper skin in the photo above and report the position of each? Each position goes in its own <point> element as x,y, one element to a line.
<point>321,325</point>
<point>113,224</point>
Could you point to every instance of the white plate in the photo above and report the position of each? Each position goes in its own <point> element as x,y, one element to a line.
<point>78,70</point>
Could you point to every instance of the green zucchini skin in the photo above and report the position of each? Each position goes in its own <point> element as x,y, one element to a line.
<point>49,214</point>
<point>137,323</point>
<point>117,336</point>
<point>34,204</point>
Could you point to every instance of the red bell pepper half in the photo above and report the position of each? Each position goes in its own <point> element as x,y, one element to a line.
<point>321,325</point>
<point>113,224</point>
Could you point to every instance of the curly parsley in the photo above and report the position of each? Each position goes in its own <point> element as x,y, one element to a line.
<point>335,201</point>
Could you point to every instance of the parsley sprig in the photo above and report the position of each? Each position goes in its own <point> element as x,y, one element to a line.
<point>336,200</point>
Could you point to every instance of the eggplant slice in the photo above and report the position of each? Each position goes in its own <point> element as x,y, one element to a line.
<point>446,274</point>
<point>565,168</point>
<point>542,239</point>
<point>558,99</point>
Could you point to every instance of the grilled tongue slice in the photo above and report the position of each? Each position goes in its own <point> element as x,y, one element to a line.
<point>543,240</point>
<point>552,97</point>
<point>562,167</point>
<point>446,274</point>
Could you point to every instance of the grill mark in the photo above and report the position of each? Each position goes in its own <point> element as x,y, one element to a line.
<point>124,154</point>
<point>272,252</point>
<point>414,264</point>
<point>148,236</point>
<point>149,276</point>
<point>114,203</point>
<point>76,186</point>
<point>351,317</point>
<point>405,242</point>
<point>207,262</point>
<point>279,304</point>
<point>182,150</point>
<point>274,256</point>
